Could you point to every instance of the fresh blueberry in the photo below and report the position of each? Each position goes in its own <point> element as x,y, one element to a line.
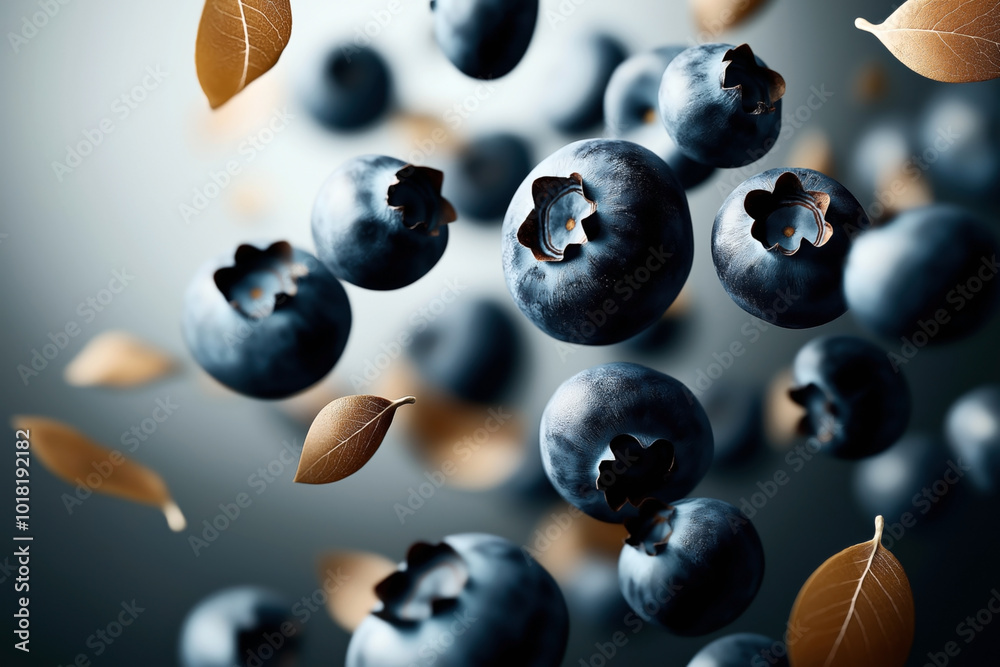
<point>960,133</point>
<point>893,482</point>
<point>484,39</point>
<point>741,650</point>
<point>574,99</point>
<point>693,566</point>
<point>380,223</point>
<point>615,435</point>
<point>471,600</point>
<point>473,350</point>
<point>266,322</point>
<point>736,413</point>
<point>597,242</point>
<point>857,402</point>
<point>973,430</point>
<point>779,245</point>
<point>721,105</point>
<point>487,173</point>
<point>928,275</point>
<point>351,88</point>
<point>244,626</point>
<point>630,112</point>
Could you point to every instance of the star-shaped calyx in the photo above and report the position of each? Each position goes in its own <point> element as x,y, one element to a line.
<point>788,216</point>
<point>260,281</point>
<point>821,418</point>
<point>651,529</point>
<point>416,192</point>
<point>556,221</point>
<point>636,473</point>
<point>759,87</point>
<point>434,576</point>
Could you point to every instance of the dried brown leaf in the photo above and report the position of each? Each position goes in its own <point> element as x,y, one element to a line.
<point>344,436</point>
<point>716,16</point>
<point>76,459</point>
<point>954,41</point>
<point>856,609</point>
<point>238,41</point>
<point>117,359</point>
<point>349,579</point>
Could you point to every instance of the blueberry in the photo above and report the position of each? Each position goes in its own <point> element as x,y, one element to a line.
<point>380,223</point>
<point>881,153</point>
<point>597,242</point>
<point>266,322</point>
<point>736,414</point>
<point>892,482</point>
<point>693,566</point>
<point>721,105</point>
<point>487,173</point>
<point>574,98</point>
<point>350,89</point>
<point>857,403</point>
<point>473,350</point>
<point>961,130</point>
<point>471,600</point>
<point>779,245</point>
<point>973,430</point>
<point>630,111</point>
<point>740,650</point>
<point>929,275</point>
<point>240,627</point>
<point>615,435</point>
<point>484,39</point>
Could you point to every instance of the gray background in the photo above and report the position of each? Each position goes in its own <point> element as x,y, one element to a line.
<point>119,209</point>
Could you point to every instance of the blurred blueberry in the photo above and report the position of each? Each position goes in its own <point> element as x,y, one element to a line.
<point>741,650</point>
<point>350,89</point>
<point>914,476</point>
<point>484,39</point>
<point>574,96</point>
<point>593,593</point>
<point>735,412</point>
<point>973,430</point>
<point>244,626</point>
<point>486,175</point>
<point>880,153</point>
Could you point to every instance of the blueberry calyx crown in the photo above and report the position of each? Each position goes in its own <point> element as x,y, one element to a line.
<point>429,584</point>
<point>821,413</point>
<point>651,529</point>
<point>635,473</point>
<point>556,221</point>
<point>789,216</point>
<point>759,87</point>
<point>260,281</point>
<point>417,193</point>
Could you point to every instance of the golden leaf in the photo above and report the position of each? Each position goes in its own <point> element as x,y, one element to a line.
<point>856,609</point>
<point>954,41</point>
<point>117,359</point>
<point>349,579</point>
<point>344,436</point>
<point>78,460</point>
<point>715,16</point>
<point>239,40</point>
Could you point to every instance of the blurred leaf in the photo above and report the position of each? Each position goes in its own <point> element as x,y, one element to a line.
<point>117,359</point>
<point>813,150</point>
<point>349,579</point>
<point>715,16</point>
<point>76,459</point>
<point>239,40</point>
<point>954,41</point>
<point>856,609</point>
<point>344,436</point>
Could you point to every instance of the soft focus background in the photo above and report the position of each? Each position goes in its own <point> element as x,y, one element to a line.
<point>62,237</point>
